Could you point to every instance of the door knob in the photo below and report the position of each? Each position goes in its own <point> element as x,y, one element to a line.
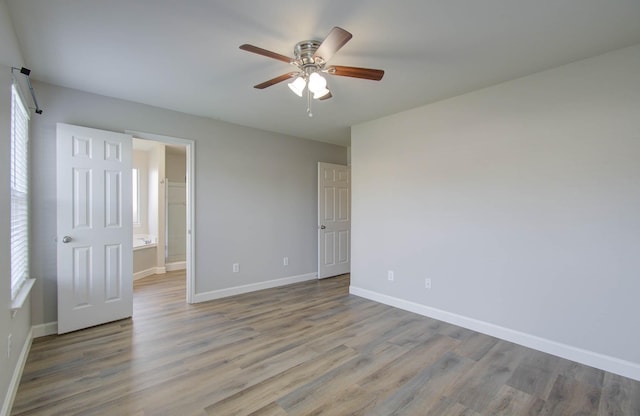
<point>66,239</point>
<point>322,227</point>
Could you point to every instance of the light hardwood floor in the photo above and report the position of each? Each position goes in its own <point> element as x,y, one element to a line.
<point>304,349</point>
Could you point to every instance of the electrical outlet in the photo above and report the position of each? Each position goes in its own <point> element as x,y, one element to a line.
<point>9,341</point>
<point>285,261</point>
<point>390,275</point>
<point>236,267</point>
<point>427,283</point>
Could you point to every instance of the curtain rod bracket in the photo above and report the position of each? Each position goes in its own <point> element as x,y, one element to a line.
<point>26,72</point>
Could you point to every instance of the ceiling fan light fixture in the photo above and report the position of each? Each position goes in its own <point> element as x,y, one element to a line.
<point>297,85</point>
<point>322,93</point>
<point>317,83</point>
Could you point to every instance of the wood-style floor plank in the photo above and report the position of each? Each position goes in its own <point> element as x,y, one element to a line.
<point>620,396</point>
<point>304,349</point>
<point>422,393</point>
<point>262,395</point>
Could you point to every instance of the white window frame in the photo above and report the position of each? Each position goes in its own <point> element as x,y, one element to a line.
<point>19,179</point>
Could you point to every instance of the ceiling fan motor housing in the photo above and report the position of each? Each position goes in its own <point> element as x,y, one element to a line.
<point>303,52</point>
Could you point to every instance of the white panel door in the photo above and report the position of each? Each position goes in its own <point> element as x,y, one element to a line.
<point>334,220</point>
<point>94,220</point>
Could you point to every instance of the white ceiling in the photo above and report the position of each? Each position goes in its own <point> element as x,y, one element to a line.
<point>184,56</point>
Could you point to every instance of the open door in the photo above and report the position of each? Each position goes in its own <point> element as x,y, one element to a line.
<point>94,244</point>
<point>334,220</point>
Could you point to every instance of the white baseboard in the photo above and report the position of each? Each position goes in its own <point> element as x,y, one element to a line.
<point>42,330</point>
<point>144,273</point>
<point>149,272</point>
<point>590,358</point>
<point>176,265</point>
<point>17,375</point>
<point>237,290</point>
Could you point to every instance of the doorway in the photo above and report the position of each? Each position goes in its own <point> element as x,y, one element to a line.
<point>166,236</point>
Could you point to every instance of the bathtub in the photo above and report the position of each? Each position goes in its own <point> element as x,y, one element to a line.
<point>144,255</point>
<point>141,241</point>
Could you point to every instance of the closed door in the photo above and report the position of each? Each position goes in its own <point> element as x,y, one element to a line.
<point>334,220</point>
<point>94,220</point>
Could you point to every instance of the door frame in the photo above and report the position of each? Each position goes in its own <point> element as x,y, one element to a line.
<point>190,185</point>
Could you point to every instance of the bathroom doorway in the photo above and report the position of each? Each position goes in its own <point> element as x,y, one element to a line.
<point>162,207</point>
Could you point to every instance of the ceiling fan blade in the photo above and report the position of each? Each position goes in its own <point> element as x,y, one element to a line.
<point>326,97</point>
<point>335,40</point>
<point>275,80</point>
<point>264,52</point>
<point>355,72</point>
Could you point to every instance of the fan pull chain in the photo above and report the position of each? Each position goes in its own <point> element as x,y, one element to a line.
<point>309,113</point>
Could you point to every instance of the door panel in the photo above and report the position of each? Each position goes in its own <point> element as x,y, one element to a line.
<point>82,276</point>
<point>334,219</point>
<point>81,200</point>
<point>95,255</point>
<point>343,246</point>
<point>113,272</point>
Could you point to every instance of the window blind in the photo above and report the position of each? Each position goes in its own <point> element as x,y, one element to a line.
<point>19,192</point>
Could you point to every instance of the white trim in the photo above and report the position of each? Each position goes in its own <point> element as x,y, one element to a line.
<point>17,375</point>
<point>21,296</point>
<point>19,192</point>
<point>46,329</point>
<point>149,272</point>
<point>176,265</point>
<point>590,358</point>
<point>151,245</point>
<point>238,290</point>
<point>191,213</point>
<point>144,273</point>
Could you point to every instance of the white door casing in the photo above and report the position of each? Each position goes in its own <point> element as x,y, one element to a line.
<point>95,231</point>
<point>334,219</point>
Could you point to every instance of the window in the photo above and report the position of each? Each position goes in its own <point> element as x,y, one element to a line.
<point>19,192</point>
<point>135,188</point>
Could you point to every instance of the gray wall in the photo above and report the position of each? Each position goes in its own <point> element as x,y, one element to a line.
<point>19,325</point>
<point>520,201</point>
<point>255,191</point>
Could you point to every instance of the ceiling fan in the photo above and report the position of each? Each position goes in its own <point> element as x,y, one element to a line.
<point>310,59</point>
